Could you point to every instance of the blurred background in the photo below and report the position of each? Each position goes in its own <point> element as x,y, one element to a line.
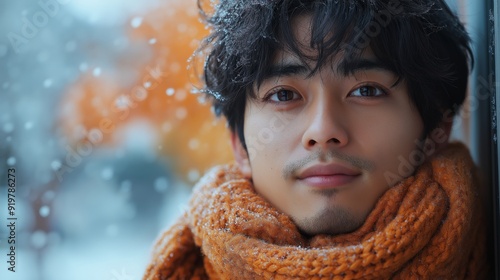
<point>100,120</point>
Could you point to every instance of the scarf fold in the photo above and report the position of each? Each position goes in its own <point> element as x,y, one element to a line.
<point>428,226</point>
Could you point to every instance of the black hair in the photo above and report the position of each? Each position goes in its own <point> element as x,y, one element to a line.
<point>422,41</point>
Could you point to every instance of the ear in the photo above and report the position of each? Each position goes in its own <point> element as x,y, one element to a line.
<point>241,156</point>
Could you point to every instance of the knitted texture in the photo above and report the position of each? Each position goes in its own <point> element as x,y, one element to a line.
<point>428,226</point>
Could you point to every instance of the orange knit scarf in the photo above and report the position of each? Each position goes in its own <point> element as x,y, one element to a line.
<point>425,227</point>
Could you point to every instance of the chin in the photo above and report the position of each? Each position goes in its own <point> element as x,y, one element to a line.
<point>330,221</point>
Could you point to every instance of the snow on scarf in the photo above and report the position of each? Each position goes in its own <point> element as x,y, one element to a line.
<point>426,227</point>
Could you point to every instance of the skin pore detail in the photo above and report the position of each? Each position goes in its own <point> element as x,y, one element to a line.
<point>348,124</point>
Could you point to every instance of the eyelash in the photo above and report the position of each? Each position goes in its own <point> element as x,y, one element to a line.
<point>273,92</point>
<point>383,91</point>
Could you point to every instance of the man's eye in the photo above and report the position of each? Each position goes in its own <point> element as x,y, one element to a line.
<point>282,95</point>
<point>367,91</point>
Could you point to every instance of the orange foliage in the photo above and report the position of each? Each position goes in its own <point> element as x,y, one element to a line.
<point>188,135</point>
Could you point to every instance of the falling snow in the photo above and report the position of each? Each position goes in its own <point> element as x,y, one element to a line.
<point>83,67</point>
<point>181,113</point>
<point>180,95</point>
<point>107,173</point>
<point>193,175</point>
<point>97,72</point>
<point>48,196</point>
<point>194,144</point>
<point>11,161</point>
<point>136,22</point>
<point>56,164</point>
<point>47,83</point>
<point>44,211</point>
<point>161,184</point>
<point>170,91</point>
<point>39,239</point>
<point>122,102</point>
<point>167,127</point>
<point>28,125</point>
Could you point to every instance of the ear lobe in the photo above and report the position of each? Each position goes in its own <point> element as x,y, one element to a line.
<point>241,156</point>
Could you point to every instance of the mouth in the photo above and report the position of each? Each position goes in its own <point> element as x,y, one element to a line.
<point>327,176</point>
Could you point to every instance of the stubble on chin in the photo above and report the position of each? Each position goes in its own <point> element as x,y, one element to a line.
<point>332,221</point>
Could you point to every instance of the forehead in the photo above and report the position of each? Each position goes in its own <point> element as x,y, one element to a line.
<point>306,52</point>
<point>302,29</point>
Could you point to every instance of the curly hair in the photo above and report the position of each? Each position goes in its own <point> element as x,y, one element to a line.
<point>422,41</point>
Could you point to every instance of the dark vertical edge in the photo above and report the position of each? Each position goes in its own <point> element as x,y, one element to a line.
<point>494,68</point>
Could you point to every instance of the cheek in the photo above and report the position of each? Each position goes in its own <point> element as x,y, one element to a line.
<point>269,143</point>
<point>267,134</point>
<point>260,141</point>
<point>265,161</point>
<point>394,141</point>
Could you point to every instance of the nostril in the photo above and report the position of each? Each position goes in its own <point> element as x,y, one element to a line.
<point>313,142</point>
<point>334,140</point>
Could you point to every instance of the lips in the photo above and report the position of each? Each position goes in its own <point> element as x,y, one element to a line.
<point>327,176</point>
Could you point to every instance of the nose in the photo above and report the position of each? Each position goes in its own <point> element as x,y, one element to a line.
<point>326,127</point>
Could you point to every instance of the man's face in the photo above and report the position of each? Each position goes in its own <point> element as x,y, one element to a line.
<point>319,146</point>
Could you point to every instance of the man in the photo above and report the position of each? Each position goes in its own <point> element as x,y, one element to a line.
<point>340,113</point>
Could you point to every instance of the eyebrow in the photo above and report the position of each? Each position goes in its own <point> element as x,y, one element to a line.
<point>287,69</point>
<point>346,68</point>
<point>352,66</point>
